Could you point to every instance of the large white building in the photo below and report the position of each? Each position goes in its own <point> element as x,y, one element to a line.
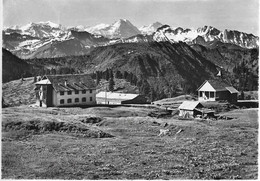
<point>65,90</point>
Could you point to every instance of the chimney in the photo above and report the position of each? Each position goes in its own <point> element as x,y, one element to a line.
<point>65,83</point>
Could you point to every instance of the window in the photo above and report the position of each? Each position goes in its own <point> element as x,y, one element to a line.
<point>84,99</point>
<point>61,93</point>
<point>62,101</point>
<point>212,94</point>
<point>76,99</point>
<point>84,92</point>
<point>207,94</point>
<point>76,92</point>
<point>69,101</point>
<point>200,94</point>
<point>90,98</point>
<point>69,92</point>
<point>90,91</point>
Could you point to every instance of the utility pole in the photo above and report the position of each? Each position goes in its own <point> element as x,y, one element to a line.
<point>106,95</point>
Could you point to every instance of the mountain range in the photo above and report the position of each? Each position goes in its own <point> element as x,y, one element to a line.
<point>47,39</point>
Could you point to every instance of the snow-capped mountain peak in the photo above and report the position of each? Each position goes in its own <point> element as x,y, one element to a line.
<point>150,29</point>
<point>119,29</point>
<point>48,24</point>
<point>39,30</point>
<point>204,35</point>
<point>31,37</point>
<point>122,22</point>
<point>51,24</point>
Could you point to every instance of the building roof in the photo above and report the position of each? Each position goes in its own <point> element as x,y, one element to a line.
<point>190,105</point>
<point>43,82</point>
<point>231,90</point>
<point>73,82</point>
<point>116,95</point>
<point>220,86</point>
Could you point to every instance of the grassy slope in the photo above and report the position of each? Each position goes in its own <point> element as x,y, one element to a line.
<point>203,150</point>
<point>174,102</point>
<point>19,92</point>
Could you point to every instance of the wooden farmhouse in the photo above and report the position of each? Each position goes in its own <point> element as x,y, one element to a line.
<point>119,98</point>
<point>65,90</point>
<point>215,90</point>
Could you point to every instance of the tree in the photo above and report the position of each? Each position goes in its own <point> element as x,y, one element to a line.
<point>47,71</point>
<point>111,84</point>
<point>118,75</point>
<point>145,88</point>
<point>106,74</point>
<point>110,73</point>
<point>53,71</point>
<point>242,95</point>
<point>152,94</point>
<point>125,75</point>
<point>129,77</point>
<point>35,79</point>
<point>97,77</point>
<point>22,79</point>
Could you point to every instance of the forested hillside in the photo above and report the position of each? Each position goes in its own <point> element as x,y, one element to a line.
<point>159,69</point>
<point>13,67</point>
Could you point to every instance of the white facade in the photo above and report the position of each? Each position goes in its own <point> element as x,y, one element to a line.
<point>206,93</point>
<point>89,96</point>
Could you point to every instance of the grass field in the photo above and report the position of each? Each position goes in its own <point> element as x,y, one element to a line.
<point>123,143</point>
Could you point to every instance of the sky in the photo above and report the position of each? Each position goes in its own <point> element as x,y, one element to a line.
<point>241,15</point>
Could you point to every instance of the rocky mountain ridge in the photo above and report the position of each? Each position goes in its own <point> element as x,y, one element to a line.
<point>47,39</point>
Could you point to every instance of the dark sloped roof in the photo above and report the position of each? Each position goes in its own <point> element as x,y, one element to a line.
<point>220,85</point>
<point>74,82</point>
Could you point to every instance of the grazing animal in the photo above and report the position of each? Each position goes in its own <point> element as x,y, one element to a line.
<point>163,132</point>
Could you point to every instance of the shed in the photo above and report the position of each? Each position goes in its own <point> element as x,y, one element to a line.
<point>120,98</point>
<point>188,108</point>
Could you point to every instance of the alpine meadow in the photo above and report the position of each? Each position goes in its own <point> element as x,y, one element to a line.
<point>84,98</point>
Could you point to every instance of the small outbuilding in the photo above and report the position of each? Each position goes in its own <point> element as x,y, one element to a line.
<point>119,98</point>
<point>215,90</point>
<point>189,109</point>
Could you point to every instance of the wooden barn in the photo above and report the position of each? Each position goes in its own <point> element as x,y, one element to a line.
<point>215,90</point>
<point>119,98</point>
<point>188,109</point>
<point>65,90</point>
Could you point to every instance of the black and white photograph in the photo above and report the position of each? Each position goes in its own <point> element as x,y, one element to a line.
<point>130,89</point>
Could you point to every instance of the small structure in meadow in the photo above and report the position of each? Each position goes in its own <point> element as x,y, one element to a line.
<point>119,98</point>
<point>214,90</point>
<point>65,90</point>
<point>188,109</point>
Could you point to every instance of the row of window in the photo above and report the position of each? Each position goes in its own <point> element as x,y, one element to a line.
<point>62,101</point>
<point>208,94</point>
<point>76,92</point>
